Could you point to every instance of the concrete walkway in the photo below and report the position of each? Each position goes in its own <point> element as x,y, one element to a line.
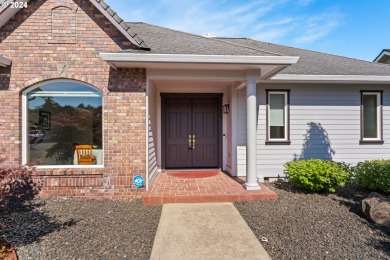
<point>205,231</point>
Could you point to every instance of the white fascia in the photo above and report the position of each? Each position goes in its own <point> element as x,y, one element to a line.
<point>4,61</point>
<point>346,79</point>
<point>380,56</point>
<point>197,59</point>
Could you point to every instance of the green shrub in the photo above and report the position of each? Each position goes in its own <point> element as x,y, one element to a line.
<point>317,175</point>
<point>373,175</point>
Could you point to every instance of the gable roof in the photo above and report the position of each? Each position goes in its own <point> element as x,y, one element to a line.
<point>317,63</point>
<point>6,13</point>
<point>167,41</point>
<point>384,53</point>
<point>175,50</point>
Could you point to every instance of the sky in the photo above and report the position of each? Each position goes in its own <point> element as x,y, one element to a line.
<point>352,28</point>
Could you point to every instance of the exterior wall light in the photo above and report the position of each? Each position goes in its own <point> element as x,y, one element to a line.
<point>226,108</point>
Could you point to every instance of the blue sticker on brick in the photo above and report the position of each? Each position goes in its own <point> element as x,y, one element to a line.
<point>138,181</point>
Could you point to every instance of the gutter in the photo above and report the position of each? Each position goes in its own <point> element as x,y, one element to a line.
<point>198,59</point>
<point>342,79</point>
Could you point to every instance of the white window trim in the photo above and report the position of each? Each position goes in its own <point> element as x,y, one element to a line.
<point>25,127</point>
<point>378,114</point>
<point>285,93</point>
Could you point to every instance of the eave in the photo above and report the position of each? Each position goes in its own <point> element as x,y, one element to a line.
<point>381,55</point>
<point>341,79</point>
<point>269,65</point>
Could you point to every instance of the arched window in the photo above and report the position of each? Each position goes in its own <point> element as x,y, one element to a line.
<point>62,122</point>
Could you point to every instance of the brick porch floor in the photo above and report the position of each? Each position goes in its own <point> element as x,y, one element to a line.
<point>219,188</point>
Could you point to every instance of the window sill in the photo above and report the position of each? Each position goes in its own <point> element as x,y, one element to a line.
<point>277,142</point>
<point>371,142</point>
<point>53,167</point>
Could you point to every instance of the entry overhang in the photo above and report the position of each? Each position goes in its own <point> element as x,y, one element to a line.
<point>269,65</point>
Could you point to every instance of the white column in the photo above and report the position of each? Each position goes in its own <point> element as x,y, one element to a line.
<point>251,125</point>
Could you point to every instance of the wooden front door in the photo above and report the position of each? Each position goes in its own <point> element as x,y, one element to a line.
<point>191,131</point>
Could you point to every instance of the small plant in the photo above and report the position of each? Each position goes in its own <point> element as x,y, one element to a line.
<point>317,175</point>
<point>373,175</point>
<point>17,182</point>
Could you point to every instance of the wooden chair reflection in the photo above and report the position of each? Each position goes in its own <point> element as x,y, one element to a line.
<point>84,154</point>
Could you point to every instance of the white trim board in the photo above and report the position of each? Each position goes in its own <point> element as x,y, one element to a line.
<point>270,64</point>
<point>346,79</point>
<point>25,126</point>
<point>192,58</point>
<point>380,56</point>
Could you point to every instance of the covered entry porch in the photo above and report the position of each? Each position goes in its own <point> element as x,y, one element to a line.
<point>221,75</point>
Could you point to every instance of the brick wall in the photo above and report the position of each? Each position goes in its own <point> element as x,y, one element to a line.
<point>42,49</point>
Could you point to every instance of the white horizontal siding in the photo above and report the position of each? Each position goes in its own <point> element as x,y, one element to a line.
<point>152,140</point>
<point>324,123</point>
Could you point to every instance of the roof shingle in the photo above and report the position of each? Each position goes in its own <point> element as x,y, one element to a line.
<point>317,63</point>
<point>167,41</point>
<point>121,23</point>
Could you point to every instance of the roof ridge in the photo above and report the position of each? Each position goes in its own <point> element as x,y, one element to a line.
<point>209,38</point>
<point>250,47</point>
<point>345,57</point>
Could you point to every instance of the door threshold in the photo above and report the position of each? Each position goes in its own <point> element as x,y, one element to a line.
<point>192,170</point>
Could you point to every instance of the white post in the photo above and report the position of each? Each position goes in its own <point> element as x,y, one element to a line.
<point>251,124</point>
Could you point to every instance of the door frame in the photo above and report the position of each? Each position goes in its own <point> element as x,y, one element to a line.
<point>165,96</point>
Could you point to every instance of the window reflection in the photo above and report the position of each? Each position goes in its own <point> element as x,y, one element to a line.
<point>62,115</point>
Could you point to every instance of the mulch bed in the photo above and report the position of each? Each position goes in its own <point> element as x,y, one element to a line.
<point>298,225</point>
<point>301,225</point>
<point>79,229</point>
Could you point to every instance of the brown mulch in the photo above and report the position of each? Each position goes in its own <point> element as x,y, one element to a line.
<point>302,225</point>
<point>80,229</point>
